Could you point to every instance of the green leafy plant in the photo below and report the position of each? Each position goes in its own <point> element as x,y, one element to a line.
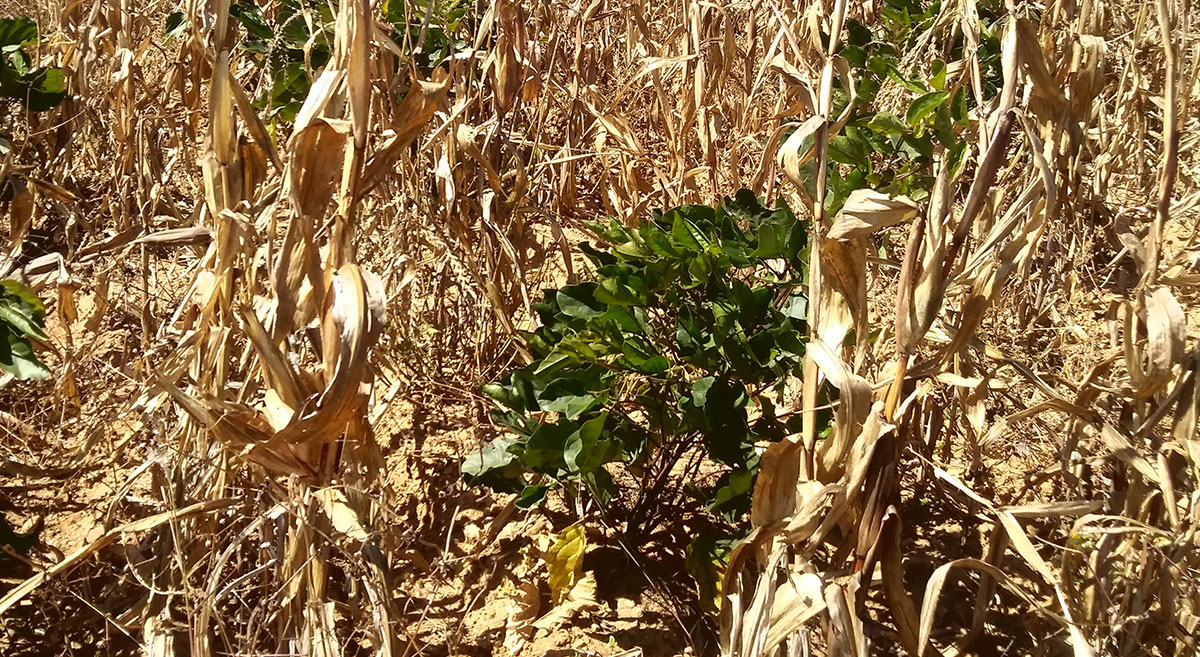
<point>893,153</point>
<point>38,88</point>
<point>291,45</point>
<point>431,42</point>
<point>669,362</point>
<point>22,317</point>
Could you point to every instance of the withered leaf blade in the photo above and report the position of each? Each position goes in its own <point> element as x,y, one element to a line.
<point>867,211</point>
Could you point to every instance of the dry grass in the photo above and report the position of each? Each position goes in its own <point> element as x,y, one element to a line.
<point>238,310</point>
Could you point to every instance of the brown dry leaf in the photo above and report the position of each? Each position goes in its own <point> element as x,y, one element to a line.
<point>319,624</point>
<point>867,211</point>
<point>581,597</point>
<point>18,593</point>
<point>853,409</point>
<point>351,323</point>
<point>344,520</point>
<point>798,149</point>
<point>933,592</point>
<point>191,236</point>
<point>20,213</point>
<point>775,487</point>
<point>523,607</point>
<point>223,129</point>
<point>315,164</point>
<point>506,72</point>
<point>1166,329</point>
<point>843,293</point>
<point>1020,541</point>
<point>415,111</point>
<point>798,600</point>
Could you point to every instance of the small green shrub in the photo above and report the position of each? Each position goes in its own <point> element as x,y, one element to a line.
<point>882,150</point>
<point>679,346</point>
<point>38,88</point>
<point>22,317</point>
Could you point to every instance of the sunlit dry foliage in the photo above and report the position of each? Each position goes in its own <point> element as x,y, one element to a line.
<point>279,282</point>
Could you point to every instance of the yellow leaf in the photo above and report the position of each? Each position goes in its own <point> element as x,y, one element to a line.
<point>565,561</point>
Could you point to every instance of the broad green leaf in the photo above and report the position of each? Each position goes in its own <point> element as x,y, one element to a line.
<point>544,449</point>
<point>796,306</point>
<point>176,25</point>
<point>655,365</point>
<point>888,122</point>
<point>706,561</point>
<point>855,55</point>
<point>45,89</point>
<point>19,543</point>
<point>17,357</point>
<point>700,388</point>
<point>493,457</point>
<point>20,318</point>
<point>857,33</point>
<point>845,150</point>
<point>566,396</point>
<point>924,106</point>
<point>943,126</point>
<point>583,451</point>
<point>600,483</point>
<point>251,18</point>
<point>734,491</point>
<point>615,293</point>
<point>531,496</point>
<point>17,32</point>
<point>685,234</point>
<point>958,108</point>
<point>579,301</point>
<point>564,560</point>
<point>937,72</point>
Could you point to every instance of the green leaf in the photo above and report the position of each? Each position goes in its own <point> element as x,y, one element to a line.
<point>46,88</point>
<point>579,301</point>
<point>19,318</point>
<point>937,78</point>
<point>734,493</point>
<point>600,482</point>
<point>25,294</point>
<point>615,293</point>
<point>531,496</point>
<point>706,561</point>
<point>924,106</point>
<point>796,306</point>
<point>655,365</point>
<point>958,108</point>
<point>176,25</point>
<point>844,150</point>
<point>566,396</point>
<point>252,19</point>
<point>943,126</point>
<point>493,457</point>
<point>855,55</point>
<point>19,543</point>
<point>583,452</point>
<point>17,32</point>
<point>685,234</point>
<point>17,357</point>
<point>700,388</point>
<point>887,122</point>
<point>545,448</point>
<point>857,33</point>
